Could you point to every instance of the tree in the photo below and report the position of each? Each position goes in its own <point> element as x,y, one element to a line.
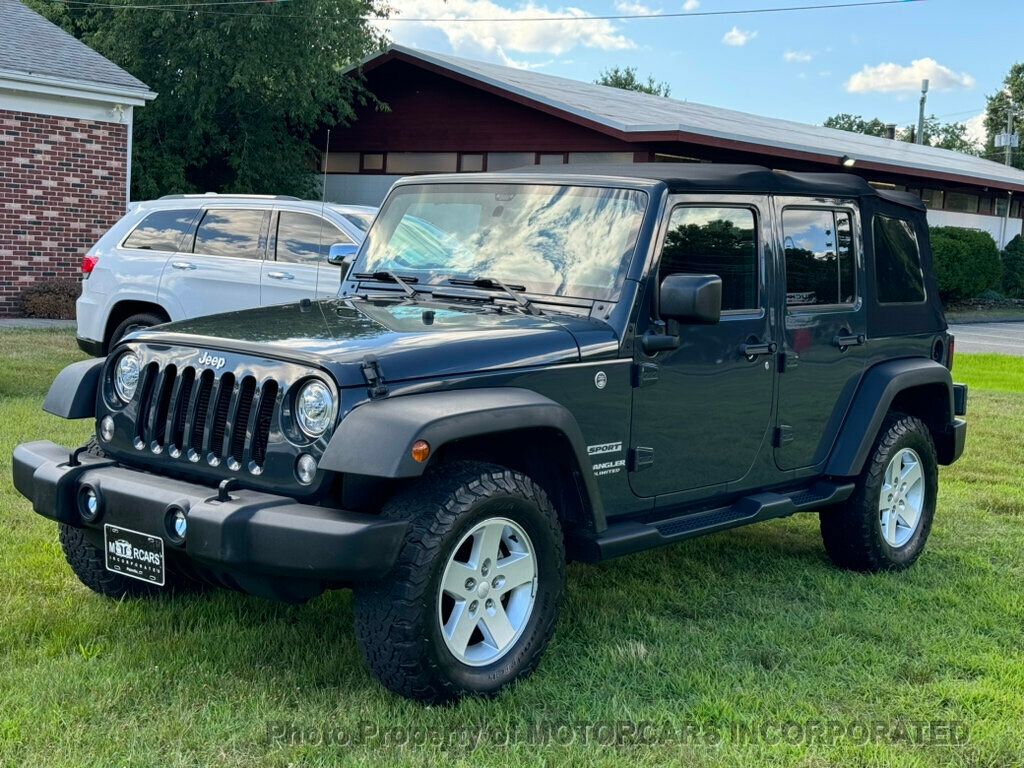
<point>626,79</point>
<point>945,135</point>
<point>241,91</point>
<point>966,262</point>
<point>844,121</point>
<point>996,110</point>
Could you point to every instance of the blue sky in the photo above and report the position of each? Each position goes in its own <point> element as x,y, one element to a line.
<point>804,65</point>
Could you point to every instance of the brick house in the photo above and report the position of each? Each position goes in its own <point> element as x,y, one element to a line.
<point>65,149</point>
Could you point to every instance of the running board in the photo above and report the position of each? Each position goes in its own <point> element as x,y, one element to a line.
<point>632,536</point>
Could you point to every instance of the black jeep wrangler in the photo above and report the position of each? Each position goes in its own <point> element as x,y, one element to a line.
<point>521,368</point>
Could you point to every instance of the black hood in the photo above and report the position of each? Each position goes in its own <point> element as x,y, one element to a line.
<point>410,339</point>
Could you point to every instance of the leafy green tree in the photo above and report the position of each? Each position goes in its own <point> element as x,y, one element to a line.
<point>243,89</point>
<point>966,262</point>
<point>936,134</point>
<point>996,110</point>
<point>844,121</point>
<point>1013,268</point>
<point>627,79</point>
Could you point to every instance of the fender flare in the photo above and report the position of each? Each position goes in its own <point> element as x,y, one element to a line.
<point>376,438</point>
<point>879,387</point>
<point>73,393</point>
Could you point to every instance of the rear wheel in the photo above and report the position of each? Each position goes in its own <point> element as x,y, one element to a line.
<point>134,323</point>
<point>885,524</point>
<point>471,603</point>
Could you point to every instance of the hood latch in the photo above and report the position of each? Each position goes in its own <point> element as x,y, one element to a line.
<point>374,378</point>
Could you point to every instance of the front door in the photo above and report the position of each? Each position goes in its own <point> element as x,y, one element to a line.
<point>823,353</point>
<point>701,411</point>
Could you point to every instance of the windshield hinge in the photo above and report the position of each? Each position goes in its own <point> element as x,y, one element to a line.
<point>374,378</point>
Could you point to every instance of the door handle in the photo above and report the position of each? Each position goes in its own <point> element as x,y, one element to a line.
<point>280,275</point>
<point>844,341</point>
<point>751,349</point>
<point>183,265</point>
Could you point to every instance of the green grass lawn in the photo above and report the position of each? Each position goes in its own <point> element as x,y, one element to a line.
<point>703,641</point>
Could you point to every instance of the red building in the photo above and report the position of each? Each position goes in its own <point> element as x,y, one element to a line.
<point>65,149</point>
<point>447,114</point>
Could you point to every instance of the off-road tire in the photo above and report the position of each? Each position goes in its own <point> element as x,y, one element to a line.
<point>396,617</point>
<point>134,323</point>
<point>852,532</point>
<point>88,564</point>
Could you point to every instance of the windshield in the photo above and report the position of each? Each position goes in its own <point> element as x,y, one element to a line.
<point>553,240</point>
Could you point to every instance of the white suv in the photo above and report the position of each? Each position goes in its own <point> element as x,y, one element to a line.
<point>188,255</point>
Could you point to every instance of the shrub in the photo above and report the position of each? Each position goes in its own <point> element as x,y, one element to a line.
<point>966,262</point>
<point>52,299</point>
<point>1013,268</point>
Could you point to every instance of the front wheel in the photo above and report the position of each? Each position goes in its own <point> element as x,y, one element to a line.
<point>885,524</point>
<point>471,603</point>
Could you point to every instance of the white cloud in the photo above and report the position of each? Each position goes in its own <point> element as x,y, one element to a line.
<point>893,78</point>
<point>494,39</point>
<point>691,5</point>
<point>737,36</point>
<point>797,57</point>
<point>976,129</point>
<point>631,8</point>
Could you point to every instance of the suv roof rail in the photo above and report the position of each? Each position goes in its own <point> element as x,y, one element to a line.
<point>218,194</point>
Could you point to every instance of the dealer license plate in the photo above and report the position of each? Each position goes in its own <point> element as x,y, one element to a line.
<point>134,554</point>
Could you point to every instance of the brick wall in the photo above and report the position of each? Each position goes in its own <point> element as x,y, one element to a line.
<point>62,185</point>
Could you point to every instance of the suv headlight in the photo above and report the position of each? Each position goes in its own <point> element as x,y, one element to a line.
<point>314,408</point>
<point>126,376</point>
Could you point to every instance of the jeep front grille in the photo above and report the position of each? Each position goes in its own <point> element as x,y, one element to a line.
<point>205,417</point>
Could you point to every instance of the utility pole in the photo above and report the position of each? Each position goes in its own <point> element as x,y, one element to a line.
<point>919,139</point>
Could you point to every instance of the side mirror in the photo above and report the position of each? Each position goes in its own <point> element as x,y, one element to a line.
<point>691,299</point>
<point>342,254</point>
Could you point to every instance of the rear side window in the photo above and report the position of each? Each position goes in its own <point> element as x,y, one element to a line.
<point>161,230</point>
<point>820,268</point>
<point>304,238</point>
<point>231,232</point>
<point>715,241</point>
<point>898,275</point>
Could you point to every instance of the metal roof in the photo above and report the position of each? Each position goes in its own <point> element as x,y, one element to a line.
<point>31,45</point>
<point>642,117</point>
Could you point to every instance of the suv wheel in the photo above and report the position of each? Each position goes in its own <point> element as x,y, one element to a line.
<point>132,324</point>
<point>471,603</point>
<point>885,524</point>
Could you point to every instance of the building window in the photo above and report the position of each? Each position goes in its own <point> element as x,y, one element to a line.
<point>898,276</point>
<point>342,162</point>
<point>1015,209</point>
<point>1001,203</point>
<point>932,199</point>
<point>502,161</point>
<point>715,241</point>
<point>819,257</point>
<point>471,162</point>
<point>600,157</point>
<point>372,161</point>
<point>550,158</point>
<point>961,202</point>
<point>985,205</point>
<point>423,162</point>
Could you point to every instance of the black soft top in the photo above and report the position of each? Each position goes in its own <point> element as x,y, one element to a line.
<point>715,177</point>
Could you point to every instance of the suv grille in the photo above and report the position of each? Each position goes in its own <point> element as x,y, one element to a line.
<point>205,417</point>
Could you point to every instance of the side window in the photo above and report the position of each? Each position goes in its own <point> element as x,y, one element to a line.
<point>161,230</point>
<point>820,265</point>
<point>898,275</point>
<point>305,239</point>
<point>715,241</point>
<point>230,232</point>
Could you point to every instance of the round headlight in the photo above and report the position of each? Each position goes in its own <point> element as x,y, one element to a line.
<point>314,408</point>
<point>126,376</point>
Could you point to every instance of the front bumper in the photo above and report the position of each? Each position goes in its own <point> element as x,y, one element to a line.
<point>263,543</point>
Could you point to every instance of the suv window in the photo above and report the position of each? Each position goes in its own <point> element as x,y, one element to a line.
<point>898,275</point>
<point>304,238</point>
<point>820,268</point>
<point>161,230</point>
<point>715,241</point>
<point>230,232</point>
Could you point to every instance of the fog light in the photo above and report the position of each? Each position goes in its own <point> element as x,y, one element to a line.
<point>88,504</point>
<point>177,524</point>
<point>107,429</point>
<point>305,469</point>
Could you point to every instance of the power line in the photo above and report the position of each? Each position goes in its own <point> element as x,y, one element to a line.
<point>198,7</point>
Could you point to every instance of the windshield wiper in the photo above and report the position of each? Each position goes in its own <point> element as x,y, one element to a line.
<point>387,276</point>
<point>494,284</point>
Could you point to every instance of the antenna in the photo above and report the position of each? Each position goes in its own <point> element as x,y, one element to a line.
<point>323,192</point>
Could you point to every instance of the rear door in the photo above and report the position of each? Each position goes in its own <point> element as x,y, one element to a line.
<point>219,270</point>
<point>823,344</point>
<point>299,245</point>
